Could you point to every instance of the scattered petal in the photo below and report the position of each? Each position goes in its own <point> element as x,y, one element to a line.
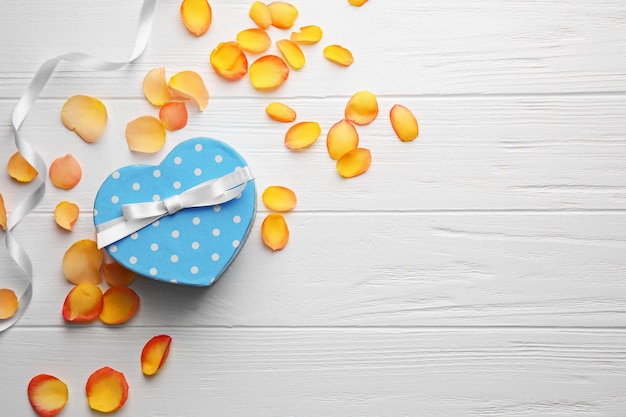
<point>357,3</point>
<point>119,305</point>
<point>8,303</point>
<point>339,55</point>
<point>274,231</point>
<point>341,138</point>
<point>292,53</point>
<point>19,169</point>
<point>116,275</point>
<point>404,123</point>
<point>66,214</point>
<point>362,108</point>
<point>65,172</point>
<point>196,15</point>
<point>189,85</point>
<point>229,61</point>
<point>307,35</point>
<point>107,390</point>
<point>87,116</point>
<point>174,115</point>
<point>83,303</point>
<point>3,214</point>
<point>354,162</point>
<point>47,394</point>
<point>81,262</point>
<point>278,198</point>
<point>268,72</point>
<point>155,87</point>
<point>260,14</point>
<point>254,40</point>
<point>302,135</point>
<point>145,134</point>
<point>283,14</point>
<point>280,112</point>
<point>154,354</point>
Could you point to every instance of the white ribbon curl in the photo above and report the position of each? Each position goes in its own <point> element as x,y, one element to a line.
<point>21,110</point>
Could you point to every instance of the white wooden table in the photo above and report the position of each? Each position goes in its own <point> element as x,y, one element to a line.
<point>478,271</point>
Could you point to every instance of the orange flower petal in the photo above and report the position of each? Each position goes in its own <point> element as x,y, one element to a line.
<point>119,305</point>
<point>8,303</point>
<point>280,112</point>
<point>3,214</point>
<point>254,40</point>
<point>81,262</point>
<point>268,72</point>
<point>260,14</point>
<point>189,85</point>
<point>404,123</point>
<point>107,390</point>
<point>154,354</point>
<point>66,214</point>
<point>341,138</point>
<point>196,16</point>
<point>283,14</point>
<point>155,87</point>
<point>19,169</point>
<point>145,134</point>
<point>65,172</point>
<point>229,61</point>
<point>87,116</point>
<point>274,231</point>
<point>83,303</point>
<point>339,55</point>
<point>279,198</point>
<point>362,108</point>
<point>292,53</point>
<point>174,115</point>
<point>357,3</point>
<point>47,394</point>
<point>354,162</point>
<point>116,275</point>
<point>302,135</point>
<point>307,35</point>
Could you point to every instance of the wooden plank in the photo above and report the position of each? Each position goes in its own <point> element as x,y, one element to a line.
<point>449,47</point>
<point>272,372</point>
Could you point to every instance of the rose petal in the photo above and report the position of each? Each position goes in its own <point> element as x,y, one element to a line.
<point>119,305</point>
<point>357,3</point>
<point>155,87</point>
<point>280,112</point>
<point>339,55</point>
<point>83,303</point>
<point>292,53</point>
<point>66,214</point>
<point>154,354</point>
<point>81,262</point>
<point>189,85</point>
<point>145,134</point>
<point>341,138</point>
<point>260,14</point>
<point>19,169</point>
<point>278,198</point>
<point>65,172</point>
<point>196,16</point>
<point>362,108</point>
<point>307,35</point>
<point>116,275</point>
<point>274,231</point>
<point>302,135</point>
<point>8,303</point>
<point>47,394</point>
<point>254,40</point>
<point>107,390</point>
<point>229,61</point>
<point>404,123</point>
<point>354,162</point>
<point>174,115</point>
<point>87,116</point>
<point>3,214</point>
<point>283,14</point>
<point>268,72</point>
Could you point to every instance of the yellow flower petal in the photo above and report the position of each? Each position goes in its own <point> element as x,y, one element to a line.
<point>307,35</point>
<point>155,353</point>
<point>404,123</point>
<point>189,84</point>
<point>357,3</point>
<point>87,116</point>
<point>47,394</point>
<point>3,214</point>
<point>229,61</point>
<point>83,303</point>
<point>354,162</point>
<point>254,40</point>
<point>339,55</point>
<point>292,53</point>
<point>19,169</point>
<point>302,135</point>
<point>362,108</point>
<point>155,87</point>
<point>119,304</point>
<point>283,14</point>
<point>274,231</point>
<point>278,198</point>
<point>196,16</point>
<point>268,72</point>
<point>8,303</point>
<point>145,134</point>
<point>341,138</point>
<point>66,214</point>
<point>65,172</point>
<point>107,390</point>
<point>174,115</point>
<point>81,262</point>
<point>260,14</point>
<point>116,275</point>
<point>280,112</point>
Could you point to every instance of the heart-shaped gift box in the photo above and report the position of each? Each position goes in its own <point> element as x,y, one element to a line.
<point>183,221</point>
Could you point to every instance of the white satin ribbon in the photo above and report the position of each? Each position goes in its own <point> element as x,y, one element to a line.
<point>136,216</point>
<point>21,110</point>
